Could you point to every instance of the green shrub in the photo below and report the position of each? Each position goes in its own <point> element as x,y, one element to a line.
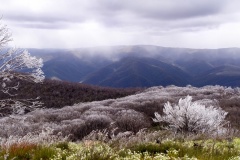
<point>92,151</point>
<point>148,147</point>
<point>44,153</point>
<point>208,149</point>
<point>62,145</point>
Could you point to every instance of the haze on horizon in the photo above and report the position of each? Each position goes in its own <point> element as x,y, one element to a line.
<point>88,23</point>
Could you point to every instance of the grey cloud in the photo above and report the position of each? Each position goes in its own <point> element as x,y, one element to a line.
<point>33,18</point>
<point>169,14</point>
<point>41,21</point>
<point>172,10</point>
<point>53,12</point>
<point>161,9</point>
<point>115,13</point>
<point>41,25</point>
<point>44,18</point>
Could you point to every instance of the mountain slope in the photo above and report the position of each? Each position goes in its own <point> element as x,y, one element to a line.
<point>195,67</point>
<point>138,72</point>
<point>225,75</point>
<point>67,67</point>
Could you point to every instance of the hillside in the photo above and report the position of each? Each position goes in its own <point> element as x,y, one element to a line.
<point>138,72</point>
<point>227,75</point>
<point>57,94</point>
<point>130,113</point>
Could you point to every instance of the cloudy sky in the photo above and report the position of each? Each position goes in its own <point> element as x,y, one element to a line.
<point>87,23</point>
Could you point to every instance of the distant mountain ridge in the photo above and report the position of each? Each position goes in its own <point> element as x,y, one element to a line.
<point>138,72</point>
<point>143,66</point>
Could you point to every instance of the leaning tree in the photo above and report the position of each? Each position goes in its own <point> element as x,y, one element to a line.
<point>16,65</point>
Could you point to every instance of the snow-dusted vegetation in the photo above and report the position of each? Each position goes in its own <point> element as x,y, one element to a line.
<point>192,117</point>
<point>130,113</point>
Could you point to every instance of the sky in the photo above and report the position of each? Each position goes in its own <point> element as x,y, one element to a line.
<point>90,23</point>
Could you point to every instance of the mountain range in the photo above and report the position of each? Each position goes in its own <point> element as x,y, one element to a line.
<point>142,66</point>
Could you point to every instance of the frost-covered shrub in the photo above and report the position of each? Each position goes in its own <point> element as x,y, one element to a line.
<point>90,123</point>
<point>192,117</point>
<point>130,120</point>
<point>46,136</point>
<point>98,122</point>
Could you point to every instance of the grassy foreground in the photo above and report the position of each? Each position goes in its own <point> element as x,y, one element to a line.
<point>96,150</point>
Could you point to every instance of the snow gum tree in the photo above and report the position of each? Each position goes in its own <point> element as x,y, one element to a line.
<point>192,117</point>
<point>12,63</point>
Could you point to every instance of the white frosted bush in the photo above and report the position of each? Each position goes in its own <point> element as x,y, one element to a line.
<point>192,117</point>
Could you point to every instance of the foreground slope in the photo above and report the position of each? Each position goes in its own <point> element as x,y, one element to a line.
<point>130,113</point>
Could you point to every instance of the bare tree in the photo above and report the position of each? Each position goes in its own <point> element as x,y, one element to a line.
<point>13,62</point>
<point>192,117</point>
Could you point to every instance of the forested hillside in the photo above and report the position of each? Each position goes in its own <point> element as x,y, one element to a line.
<point>57,94</point>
